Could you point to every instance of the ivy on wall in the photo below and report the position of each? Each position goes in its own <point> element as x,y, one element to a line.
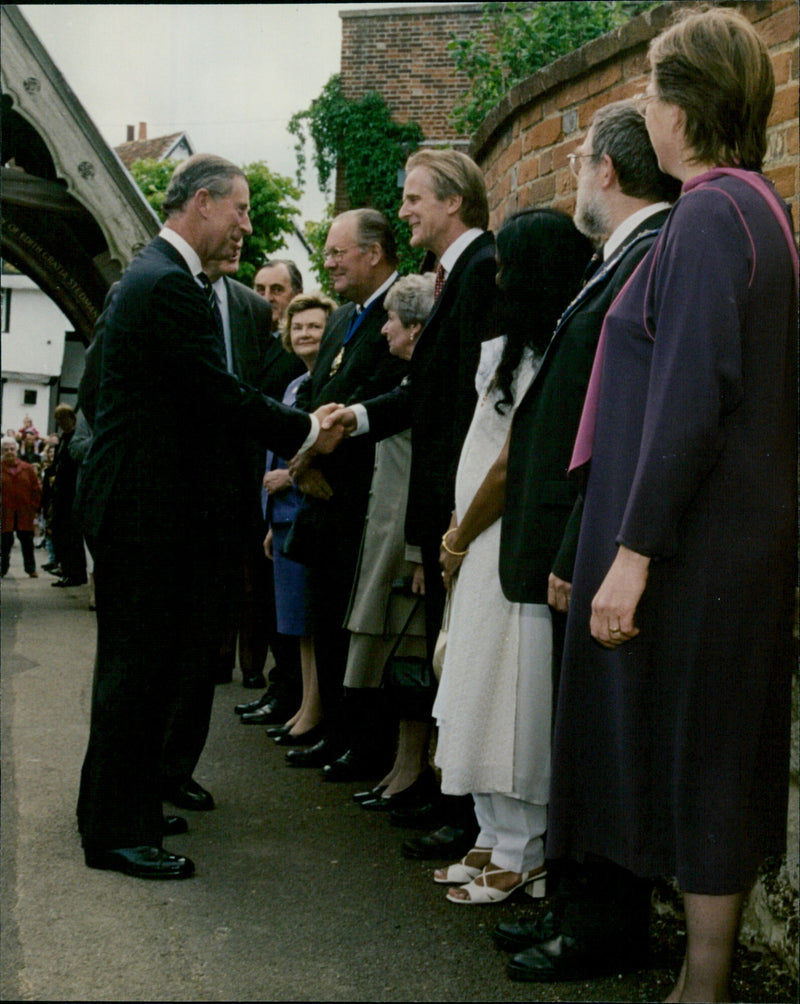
<point>360,138</point>
<point>517,39</point>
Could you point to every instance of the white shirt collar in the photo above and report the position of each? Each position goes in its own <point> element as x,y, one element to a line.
<point>457,248</point>
<point>380,291</point>
<point>629,225</point>
<point>184,249</point>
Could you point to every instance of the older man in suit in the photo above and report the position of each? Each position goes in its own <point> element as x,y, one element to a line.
<point>158,519</point>
<point>353,362</point>
<point>446,207</point>
<point>246,329</point>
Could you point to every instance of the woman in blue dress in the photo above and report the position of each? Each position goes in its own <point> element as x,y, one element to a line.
<point>306,317</point>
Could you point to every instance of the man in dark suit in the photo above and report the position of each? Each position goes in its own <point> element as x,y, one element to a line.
<point>445,205</point>
<point>600,910</point>
<point>246,324</point>
<point>277,282</point>
<point>353,362</point>
<point>158,519</point>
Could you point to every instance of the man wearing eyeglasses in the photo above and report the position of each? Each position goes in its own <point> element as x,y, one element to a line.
<point>353,363</point>
<point>599,911</point>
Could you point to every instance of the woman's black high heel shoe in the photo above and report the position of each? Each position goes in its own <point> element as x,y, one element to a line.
<point>417,792</point>
<point>309,738</point>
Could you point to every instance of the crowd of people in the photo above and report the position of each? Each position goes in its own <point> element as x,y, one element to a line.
<point>39,482</point>
<point>564,455</point>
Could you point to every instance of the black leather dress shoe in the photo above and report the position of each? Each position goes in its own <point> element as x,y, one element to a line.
<point>316,756</point>
<point>141,862</point>
<point>517,935</point>
<point>173,826</point>
<point>563,959</point>
<point>308,738</point>
<point>188,795</point>
<point>446,842</point>
<point>270,713</point>
<point>242,709</point>
<point>253,681</point>
<point>425,814</point>
<point>350,766</point>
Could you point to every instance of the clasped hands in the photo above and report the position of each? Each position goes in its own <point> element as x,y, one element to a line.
<point>335,422</point>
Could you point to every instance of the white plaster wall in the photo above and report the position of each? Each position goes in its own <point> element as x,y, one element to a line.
<point>32,351</point>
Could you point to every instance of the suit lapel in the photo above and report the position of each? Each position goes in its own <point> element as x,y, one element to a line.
<point>331,344</point>
<point>600,277</point>
<point>451,284</point>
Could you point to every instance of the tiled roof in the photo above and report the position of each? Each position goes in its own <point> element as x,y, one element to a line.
<point>147,149</point>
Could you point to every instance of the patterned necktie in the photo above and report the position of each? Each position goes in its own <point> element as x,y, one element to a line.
<point>438,286</point>
<point>213,303</point>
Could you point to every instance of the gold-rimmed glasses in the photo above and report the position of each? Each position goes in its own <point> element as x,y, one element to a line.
<point>575,161</point>
<point>336,254</point>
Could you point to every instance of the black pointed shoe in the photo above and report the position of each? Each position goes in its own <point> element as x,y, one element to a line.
<point>140,862</point>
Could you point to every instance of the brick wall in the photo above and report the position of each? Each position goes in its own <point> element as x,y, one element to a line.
<point>402,53</point>
<point>523,143</point>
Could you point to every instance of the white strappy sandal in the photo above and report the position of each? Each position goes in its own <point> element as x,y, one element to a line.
<point>460,873</point>
<point>480,892</point>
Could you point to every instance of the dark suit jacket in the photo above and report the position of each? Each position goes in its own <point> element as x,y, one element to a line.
<point>439,399</point>
<point>366,368</point>
<point>538,519</point>
<point>251,323</point>
<point>166,407</point>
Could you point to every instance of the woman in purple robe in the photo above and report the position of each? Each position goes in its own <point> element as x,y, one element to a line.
<point>671,749</point>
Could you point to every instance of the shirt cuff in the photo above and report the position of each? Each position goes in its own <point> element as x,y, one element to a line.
<point>311,438</point>
<point>362,419</point>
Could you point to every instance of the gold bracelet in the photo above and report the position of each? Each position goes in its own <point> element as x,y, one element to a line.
<point>457,554</point>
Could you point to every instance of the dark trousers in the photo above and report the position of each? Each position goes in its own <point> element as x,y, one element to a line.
<point>68,543</point>
<point>252,619</point>
<point>158,599</point>
<point>332,583</point>
<point>25,538</point>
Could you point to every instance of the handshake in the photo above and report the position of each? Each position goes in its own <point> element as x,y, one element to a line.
<point>335,422</point>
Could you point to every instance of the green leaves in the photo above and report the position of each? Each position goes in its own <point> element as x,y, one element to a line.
<point>360,139</point>
<point>271,210</point>
<point>517,39</point>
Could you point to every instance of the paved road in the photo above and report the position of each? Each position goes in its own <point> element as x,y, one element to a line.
<point>299,895</point>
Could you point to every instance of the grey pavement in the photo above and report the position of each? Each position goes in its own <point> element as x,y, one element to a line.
<point>299,894</point>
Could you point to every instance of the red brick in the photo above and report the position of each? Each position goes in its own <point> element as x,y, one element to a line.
<point>527,170</point>
<point>784,107</point>
<point>544,134</point>
<point>784,179</point>
<point>780,27</point>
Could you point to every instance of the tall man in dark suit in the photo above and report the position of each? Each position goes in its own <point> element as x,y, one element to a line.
<point>623,199</point>
<point>353,362</point>
<point>446,207</point>
<point>158,519</point>
<point>246,327</point>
